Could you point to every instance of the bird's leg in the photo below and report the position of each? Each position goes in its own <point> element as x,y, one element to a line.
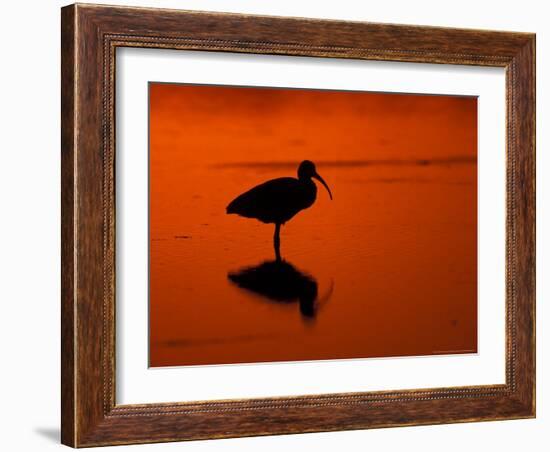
<point>277,242</point>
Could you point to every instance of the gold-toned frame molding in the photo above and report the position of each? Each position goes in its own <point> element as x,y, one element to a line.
<point>90,36</point>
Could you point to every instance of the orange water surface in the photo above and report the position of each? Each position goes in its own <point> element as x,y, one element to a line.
<point>388,268</point>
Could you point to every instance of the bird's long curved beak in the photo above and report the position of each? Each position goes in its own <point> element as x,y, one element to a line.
<point>320,179</point>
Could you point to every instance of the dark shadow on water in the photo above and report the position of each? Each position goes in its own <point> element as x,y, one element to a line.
<point>436,161</point>
<point>410,180</point>
<point>281,282</point>
<point>194,342</point>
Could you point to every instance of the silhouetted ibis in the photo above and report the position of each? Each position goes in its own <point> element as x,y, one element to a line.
<point>278,200</point>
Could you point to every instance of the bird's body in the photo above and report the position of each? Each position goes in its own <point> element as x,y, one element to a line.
<point>275,201</point>
<point>278,200</point>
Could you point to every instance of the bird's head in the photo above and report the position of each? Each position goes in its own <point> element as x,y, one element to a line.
<point>307,170</point>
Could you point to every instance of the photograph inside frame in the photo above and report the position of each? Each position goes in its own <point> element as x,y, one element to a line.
<point>300,224</point>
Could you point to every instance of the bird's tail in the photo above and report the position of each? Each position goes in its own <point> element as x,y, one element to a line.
<point>231,207</point>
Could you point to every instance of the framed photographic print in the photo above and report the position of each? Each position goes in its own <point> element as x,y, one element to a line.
<point>281,225</point>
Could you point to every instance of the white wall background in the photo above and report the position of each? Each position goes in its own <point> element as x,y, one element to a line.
<point>30,229</point>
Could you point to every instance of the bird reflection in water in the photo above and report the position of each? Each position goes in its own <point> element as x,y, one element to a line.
<point>281,282</point>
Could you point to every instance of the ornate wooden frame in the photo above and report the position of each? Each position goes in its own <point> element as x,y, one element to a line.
<point>90,35</point>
